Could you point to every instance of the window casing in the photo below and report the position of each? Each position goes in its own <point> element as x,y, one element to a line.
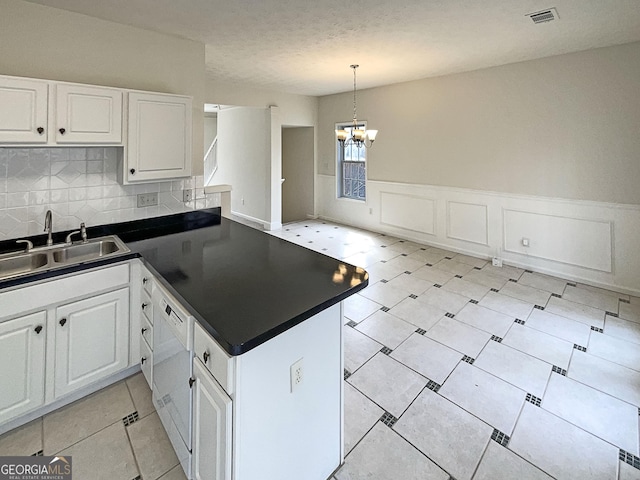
<point>351,166</point>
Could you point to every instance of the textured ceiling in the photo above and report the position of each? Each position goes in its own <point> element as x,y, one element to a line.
<point>306,47</point>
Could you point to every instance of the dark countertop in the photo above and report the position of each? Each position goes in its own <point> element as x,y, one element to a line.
<point>245,286</point>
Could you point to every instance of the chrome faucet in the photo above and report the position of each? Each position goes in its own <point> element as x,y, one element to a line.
<point>48,226</point>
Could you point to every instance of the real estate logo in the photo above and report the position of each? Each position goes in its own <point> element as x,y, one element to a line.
<point>35,468</point>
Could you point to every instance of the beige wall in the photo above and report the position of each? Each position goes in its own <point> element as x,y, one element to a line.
<point>43,42</point>
<point>297,170</point>
<point>295,110</point>
<point>566,126</point>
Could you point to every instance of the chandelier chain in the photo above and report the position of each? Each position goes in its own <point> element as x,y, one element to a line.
<point>355,118</point>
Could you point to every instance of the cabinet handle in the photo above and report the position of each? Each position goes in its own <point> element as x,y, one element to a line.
<point>144,279</point>
<point>62,322</point>
<point>133,171</point>
<point>143,330</point>
<point>142,360</point>
<point>40,130</point>
<point>38,329</point>
<point>144,305</point>
<point>62,131</point>
<point>205,356</point>
<point>191,382</point>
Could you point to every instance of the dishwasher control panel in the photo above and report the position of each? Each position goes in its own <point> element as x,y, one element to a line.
<point>168,310</point>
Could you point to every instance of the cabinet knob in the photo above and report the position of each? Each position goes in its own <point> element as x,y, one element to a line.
<point>38,329</point>
<point>40,130</point>
<point>133,171</point>
<point>142,360</point>
<point>62,322</point>
<point>62,131</point>
<point>143,330</point>
<point>145,279</point>
<point>144,305</point>
<point>191,382</point>
<point>205,356</point>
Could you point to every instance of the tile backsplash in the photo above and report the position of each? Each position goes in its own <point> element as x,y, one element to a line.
<point>80,185</point>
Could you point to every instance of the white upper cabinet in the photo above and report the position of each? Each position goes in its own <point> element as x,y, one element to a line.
<point>154,129</point>
<point>23,110</point>
<point>88,114</point>
<point>159,137</point>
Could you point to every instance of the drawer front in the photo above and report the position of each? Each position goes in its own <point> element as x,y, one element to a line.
<point>146,361</point>
<point>146,307</point>
<point>147,281</point>
<point>218,362</point>
<point>147,332</point>
<point>63,289</point>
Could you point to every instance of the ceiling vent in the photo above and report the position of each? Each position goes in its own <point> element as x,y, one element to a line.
<point>544,16</point>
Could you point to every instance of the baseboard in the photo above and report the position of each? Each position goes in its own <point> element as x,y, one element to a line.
<point>72,397</point>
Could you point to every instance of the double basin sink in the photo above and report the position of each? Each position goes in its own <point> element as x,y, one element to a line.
<point>57,256</point>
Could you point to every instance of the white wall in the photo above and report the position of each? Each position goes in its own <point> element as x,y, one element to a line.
<point>287,110</point>
<point>43,42</point>
<point>546,150</point>
<point>591,242</point>
<point>244,156</point>
<point>210,129</point>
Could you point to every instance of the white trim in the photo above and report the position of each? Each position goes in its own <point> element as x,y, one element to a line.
<point>523,196</point>
<point>624,221</point>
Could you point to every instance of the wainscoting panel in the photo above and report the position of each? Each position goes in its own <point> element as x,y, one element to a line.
<point>409,212</point>
<point>468,222</point>
<point>575,241</point>
<point>583,241</point>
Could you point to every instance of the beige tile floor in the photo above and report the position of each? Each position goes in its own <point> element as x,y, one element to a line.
<point>487,373</point>
<point>102,445</point>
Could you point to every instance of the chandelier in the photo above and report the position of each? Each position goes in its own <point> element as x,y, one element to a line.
<point>358,136</point>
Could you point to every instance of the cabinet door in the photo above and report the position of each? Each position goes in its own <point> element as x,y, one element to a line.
<point>88,114</point>
<point>22,355</point>
<point>92,340</point>
<point>159,140</point>
<point>23,111</point>
<point>212,416</point>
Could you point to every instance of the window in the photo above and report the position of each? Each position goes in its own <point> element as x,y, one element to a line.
<point>351,169</point>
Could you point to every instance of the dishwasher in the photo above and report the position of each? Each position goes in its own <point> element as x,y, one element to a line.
<point>172,370</point>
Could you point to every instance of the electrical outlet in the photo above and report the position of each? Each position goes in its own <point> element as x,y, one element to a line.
<point>496,262</point>
<point>525,242</point>
<point>147,199</point>
<point>187,195</point>
<point>242,201</point>
<point>297,375</point>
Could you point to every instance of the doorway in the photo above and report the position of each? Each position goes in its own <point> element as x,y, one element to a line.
<point>298,173</point>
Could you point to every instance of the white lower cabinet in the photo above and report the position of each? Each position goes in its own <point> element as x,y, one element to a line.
<point>248,421</point>
<point>212,417</point>
<point>92,340</point>
<point>22,360</point>
<point>59,336</point>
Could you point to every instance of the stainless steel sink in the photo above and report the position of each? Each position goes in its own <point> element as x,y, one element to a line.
<point>86,251</point>
<point>58,256</point>
<point>13,265</point>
